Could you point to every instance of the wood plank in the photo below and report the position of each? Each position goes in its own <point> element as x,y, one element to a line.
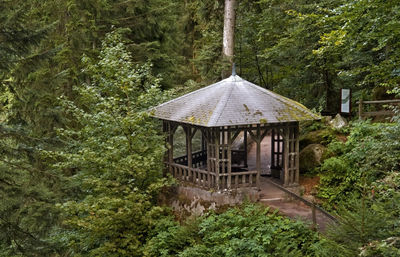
<point>217,140</point>
<point>377,113</point>
<point>236,181</point>
<point>245,147</point>
<point>189,152</point>
<point>171,148</point>
<point>253,172</point>
<point>286,157</point>
<point>273,148</point>
<point>258,158</point>
<point>297,162</point>
<point>380,101</point>
<point>229,159</point>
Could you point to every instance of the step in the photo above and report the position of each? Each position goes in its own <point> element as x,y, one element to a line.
<point>271,199</point>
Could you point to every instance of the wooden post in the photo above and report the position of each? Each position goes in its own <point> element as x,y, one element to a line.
<point>229,157</point>
<point>360,109</point>
<point>189,153</point>
<point>258,156</point>
<point>223,158</point>
<point>209,155</point>
<point>171,147</point>
<point>245,147</point>
<point>279,150</point>
<point>286,157</point>
<point>297,162</point>
<point>166,158</point>
<point>273,149</point>
<point>314,217</point>
<point>216,140</point>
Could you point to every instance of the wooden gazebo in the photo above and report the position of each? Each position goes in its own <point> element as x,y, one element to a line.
<point>221,112</point>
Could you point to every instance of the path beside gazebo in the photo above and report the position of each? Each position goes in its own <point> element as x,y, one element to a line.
<point>276,198</point>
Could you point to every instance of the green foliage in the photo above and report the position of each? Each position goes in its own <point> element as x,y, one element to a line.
<point>29,191</point>
<point>274,48</point>
<point>249,230</point>
<point>17,36</point>
<point>115,156</point>
<point>371,151</point>
<point>207,19</point>
<point>73,128</point>
<point>369,226</point>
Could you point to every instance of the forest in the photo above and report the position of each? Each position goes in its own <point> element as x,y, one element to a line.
<point>81,161</point>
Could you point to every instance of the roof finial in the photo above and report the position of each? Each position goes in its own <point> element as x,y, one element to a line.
<point>233,69</point>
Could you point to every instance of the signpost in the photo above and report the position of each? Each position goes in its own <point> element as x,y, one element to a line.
<point>345,103</point>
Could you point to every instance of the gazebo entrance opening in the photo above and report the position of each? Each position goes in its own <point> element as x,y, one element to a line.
<point>220,157</point>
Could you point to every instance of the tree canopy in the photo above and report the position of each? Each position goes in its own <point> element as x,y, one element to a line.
<point>81,162</point>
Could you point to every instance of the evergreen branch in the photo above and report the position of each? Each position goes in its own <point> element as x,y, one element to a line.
<point>6,182</point>
<point>16,227</point>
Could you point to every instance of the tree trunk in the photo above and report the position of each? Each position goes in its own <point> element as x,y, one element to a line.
<point>228,43</point>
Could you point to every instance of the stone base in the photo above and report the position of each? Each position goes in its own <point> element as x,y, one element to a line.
<point>197,201</point>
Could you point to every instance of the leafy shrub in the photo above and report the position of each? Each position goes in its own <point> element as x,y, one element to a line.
<point>116,157</point>
<point>249,230</point>
<point>369,225</point>
<point>371,151</point>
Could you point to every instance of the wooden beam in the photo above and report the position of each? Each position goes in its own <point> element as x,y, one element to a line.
<point>360,109</point>
<point>264,134</point>
<point>171,131</point>
<point>381,101</point>
<point>189,152</point>
<point>166,158</point>
<point>378,113</point>
<point>258,158</point>
<point>273,148</point>
<point>193,132</point>
<point>286,157</point>
<point>236,134</point>
<point>245,147</point>
<point>254,137</point>
<point>229,152</point>
<point>297,172</point>
<point>216,142</point>
<point>210,151</point>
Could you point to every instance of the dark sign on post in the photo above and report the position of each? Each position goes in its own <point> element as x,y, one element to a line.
<point>345,104</point>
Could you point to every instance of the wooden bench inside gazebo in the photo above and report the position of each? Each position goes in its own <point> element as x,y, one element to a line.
<point>221,113</point>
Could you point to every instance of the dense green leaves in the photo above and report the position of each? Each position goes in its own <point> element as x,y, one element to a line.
<point>116,157</point>
<point>249,230</point>
<point>371,152</point>
<point>29,191</point>
<point>81,162</point>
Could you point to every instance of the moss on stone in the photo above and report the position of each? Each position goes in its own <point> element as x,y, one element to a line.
<point>311,157</point>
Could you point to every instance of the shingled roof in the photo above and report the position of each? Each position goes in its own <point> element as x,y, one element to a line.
<point>232,101</point>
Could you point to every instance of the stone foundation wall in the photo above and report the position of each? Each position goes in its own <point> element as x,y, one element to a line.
<point>196,201</point>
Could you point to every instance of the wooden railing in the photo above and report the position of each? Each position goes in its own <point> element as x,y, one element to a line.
<point>181,160</point>
<point>198,159</point>
<point>362,114</point>
<point>238,179</point>
<point>205,179</point>
<point>196,176</point>
<point>208,180</point>
<point>312,205</point>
